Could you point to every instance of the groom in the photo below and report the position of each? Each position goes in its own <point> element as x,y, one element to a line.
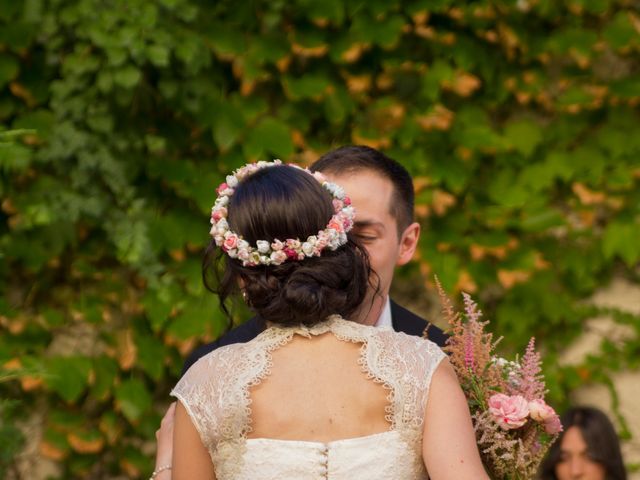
<point>381,191</point>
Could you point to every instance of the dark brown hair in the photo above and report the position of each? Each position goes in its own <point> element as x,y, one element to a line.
<point>279,203</point>
<point>352,158</point>
<point>602,442</point>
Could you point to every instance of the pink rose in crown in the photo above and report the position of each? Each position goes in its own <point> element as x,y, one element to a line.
<point>277,245</point>
<point>336,225</point>
<point>510,412</point>
<point>224,189</point>
<point>278,257</point>
<point>337,205</point>
<point>290,253</point>
<point>347,201</point>
<point>540,411</point>
<point>552,425</point>
<point>220,213</point>
<point>230,242</point>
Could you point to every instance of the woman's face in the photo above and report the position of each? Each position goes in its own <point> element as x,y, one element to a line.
<point>575,462</point>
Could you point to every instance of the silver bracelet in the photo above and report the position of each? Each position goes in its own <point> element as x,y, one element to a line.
<point>158,470</point>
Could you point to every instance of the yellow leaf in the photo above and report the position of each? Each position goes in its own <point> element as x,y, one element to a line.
<point>354,52</point>
<point>440,118</point>
<point>456,13</point>
<point>283,63</point>
<point>310,52</point>
<point>448,38</point>
<point>509,278</point>
<point>82,445</point>
<point>441,201</point>
<point>13,364</point>
<point>464,153</point>
<point>443,247</point>
<point>20,91</point>
<point>127,350</point>
<point>358,83</point>
<point>50,451</point>
<point>30,383</point>
<point>421,182</point>
<point>246,87</point>
<point>540,263</point>
<point>465,283</point>
<point>320,22</point>
<point>425,32</point>
<point>131,470</point>
<point>178,255</point>
<point>587,196</point>
<point>465,84</point>
<point>384,81</point>
<point>378,143</point>
<point>298,138</point>
<point>420,18</point>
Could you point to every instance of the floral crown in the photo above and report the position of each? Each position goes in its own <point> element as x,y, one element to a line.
<point>278,251</point>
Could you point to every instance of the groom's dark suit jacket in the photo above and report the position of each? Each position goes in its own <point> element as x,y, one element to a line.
<point>402,319</point>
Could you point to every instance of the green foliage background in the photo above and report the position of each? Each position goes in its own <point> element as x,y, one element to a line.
<point>518,120</point>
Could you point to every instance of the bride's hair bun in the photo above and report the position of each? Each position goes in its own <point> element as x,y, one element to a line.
<point>286,202</point>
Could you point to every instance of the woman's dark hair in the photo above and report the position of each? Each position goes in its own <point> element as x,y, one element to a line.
<point>602,442</point>
<point>285,202</point>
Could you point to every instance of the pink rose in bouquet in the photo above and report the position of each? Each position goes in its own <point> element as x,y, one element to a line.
<point>510,411</point>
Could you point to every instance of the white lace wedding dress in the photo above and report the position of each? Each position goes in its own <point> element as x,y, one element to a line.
<point>216,394</point>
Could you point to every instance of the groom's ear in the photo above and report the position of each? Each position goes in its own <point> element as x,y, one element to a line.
<point>408,243</point>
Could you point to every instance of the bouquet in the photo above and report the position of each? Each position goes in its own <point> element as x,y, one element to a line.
<point>513,424</point>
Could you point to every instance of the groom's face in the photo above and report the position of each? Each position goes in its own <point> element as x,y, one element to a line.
<point>375,226</point>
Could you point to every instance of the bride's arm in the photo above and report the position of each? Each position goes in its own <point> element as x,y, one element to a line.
<point>191,461</point>
<point>449,446</point>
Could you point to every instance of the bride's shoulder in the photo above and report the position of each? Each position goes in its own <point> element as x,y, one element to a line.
<point>216,362</point>
<point>406,341</point>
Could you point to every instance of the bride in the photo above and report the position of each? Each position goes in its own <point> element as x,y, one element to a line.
<point>315,395</point>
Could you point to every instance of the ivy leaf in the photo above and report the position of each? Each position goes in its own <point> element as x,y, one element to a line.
<point>328,10</point>
<point>524,136</point>
<point>8,69</point>
<point>14,157</point>
<point>150,355</point>
<point>133,399</point>
<point>105,371</point>
<point>620,31</point>
<point>270,136</point>
<point>226,40</point>
<point>621,238</point>
<point>228,126</point>
<point>127,77</point>
<point>308,86</point>
<point>68,376</point>
<point>158,55</point>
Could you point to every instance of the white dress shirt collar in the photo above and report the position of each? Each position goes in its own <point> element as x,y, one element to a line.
<point>384,320</point>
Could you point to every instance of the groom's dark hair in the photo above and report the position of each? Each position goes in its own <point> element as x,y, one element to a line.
<point>351,158</point>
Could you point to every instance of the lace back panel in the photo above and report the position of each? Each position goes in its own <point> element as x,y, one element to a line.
<point>216,389</point>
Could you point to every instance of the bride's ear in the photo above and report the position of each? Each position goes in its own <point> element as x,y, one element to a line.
<point>408,243</point>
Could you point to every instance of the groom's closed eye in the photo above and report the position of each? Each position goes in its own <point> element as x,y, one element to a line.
<point>365,238</point>
<point>367,231</point>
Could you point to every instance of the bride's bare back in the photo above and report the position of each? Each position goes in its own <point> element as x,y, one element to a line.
<point>317,391</point>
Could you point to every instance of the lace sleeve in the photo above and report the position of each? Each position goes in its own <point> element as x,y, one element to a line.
<point>411,361</point>
<point>195,391</point>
